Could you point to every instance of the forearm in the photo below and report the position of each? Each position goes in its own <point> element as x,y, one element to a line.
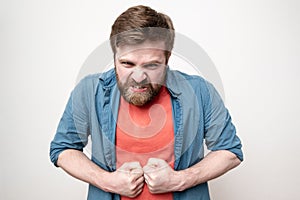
<point>128,180</point>
<point>78,165</point>
<point>215,164</point>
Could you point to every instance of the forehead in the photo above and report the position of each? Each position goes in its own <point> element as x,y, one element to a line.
<point>145,49</point>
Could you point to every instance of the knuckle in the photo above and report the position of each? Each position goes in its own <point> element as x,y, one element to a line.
<point>131,196</point>
<point>131,180</point>
<point>150,184</point>
<point>132,188</point>
<point>151,190</point>
<point>130,193</point>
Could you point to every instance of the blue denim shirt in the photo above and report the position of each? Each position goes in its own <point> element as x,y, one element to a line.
<point>199,116</point>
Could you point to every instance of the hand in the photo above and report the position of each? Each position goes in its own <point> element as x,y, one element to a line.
<point>160,177</point>
<point>128,180</point>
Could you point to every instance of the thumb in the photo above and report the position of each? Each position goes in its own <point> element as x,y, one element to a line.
<point>137,171</point>
<point>148,168</point>
<point>154,164</point>
<point>129,166</point>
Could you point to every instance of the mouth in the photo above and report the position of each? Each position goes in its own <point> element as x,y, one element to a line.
<point>138,88</point>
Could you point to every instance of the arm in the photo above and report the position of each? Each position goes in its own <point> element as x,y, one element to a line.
<point>215,164</point>
<point>128,180</point>
<point>72,136</point>
<point>161,178</point>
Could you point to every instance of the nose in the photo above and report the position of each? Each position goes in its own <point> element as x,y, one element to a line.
<point>138,75</point>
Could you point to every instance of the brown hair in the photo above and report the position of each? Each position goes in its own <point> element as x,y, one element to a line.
<point>140,23</point>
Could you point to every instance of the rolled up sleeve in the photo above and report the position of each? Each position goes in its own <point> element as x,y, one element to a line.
<point>220,133</point>
<point>73,128</point>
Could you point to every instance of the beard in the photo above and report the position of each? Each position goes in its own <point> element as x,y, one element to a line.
<point>139,98</point>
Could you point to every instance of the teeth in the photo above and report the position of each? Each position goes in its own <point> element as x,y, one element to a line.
<point>138,87</point>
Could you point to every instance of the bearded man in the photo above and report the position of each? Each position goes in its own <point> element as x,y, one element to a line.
<point>147,122</point>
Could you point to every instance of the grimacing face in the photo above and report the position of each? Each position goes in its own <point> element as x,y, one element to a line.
<point>141,71</point>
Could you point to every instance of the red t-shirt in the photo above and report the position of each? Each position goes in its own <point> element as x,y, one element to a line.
<point>146,132</point>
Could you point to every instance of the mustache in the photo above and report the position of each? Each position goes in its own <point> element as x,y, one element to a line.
<point>144,83</point>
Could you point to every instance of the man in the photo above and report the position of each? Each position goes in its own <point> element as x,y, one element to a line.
<point>147,122</point>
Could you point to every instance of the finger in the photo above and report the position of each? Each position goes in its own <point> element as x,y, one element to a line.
<point>138,191</point>
<point>140,180</point>
<point>154,165</point>
<point>137,179</point>
<point>147,179</point>
<point>137,172</point>
<point>134,165</point>
<point>149,168</point>
<point>136,175</point>
<point>156,162</point>
<point>152,161</point>
<point>128,166</point>
<point>140,188</point>
<point>149,185</point>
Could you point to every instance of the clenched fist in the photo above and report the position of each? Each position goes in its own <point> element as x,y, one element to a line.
<point>128,180</point>
<point>160,177</point>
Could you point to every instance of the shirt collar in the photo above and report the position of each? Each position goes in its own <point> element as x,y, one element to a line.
<point>173,83</point>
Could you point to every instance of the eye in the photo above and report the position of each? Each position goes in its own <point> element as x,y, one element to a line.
<point>127,64</point>
<point>151,66</point>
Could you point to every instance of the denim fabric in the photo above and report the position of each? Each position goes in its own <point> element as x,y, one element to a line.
<point>199,116</point>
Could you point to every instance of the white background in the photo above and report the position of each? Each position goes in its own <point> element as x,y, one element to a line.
<point>254,45</point>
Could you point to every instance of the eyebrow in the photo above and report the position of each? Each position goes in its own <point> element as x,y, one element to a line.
<point>148,62</point>
<point>153,61</point>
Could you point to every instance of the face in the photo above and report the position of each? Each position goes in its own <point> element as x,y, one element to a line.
<point>141,71</point>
